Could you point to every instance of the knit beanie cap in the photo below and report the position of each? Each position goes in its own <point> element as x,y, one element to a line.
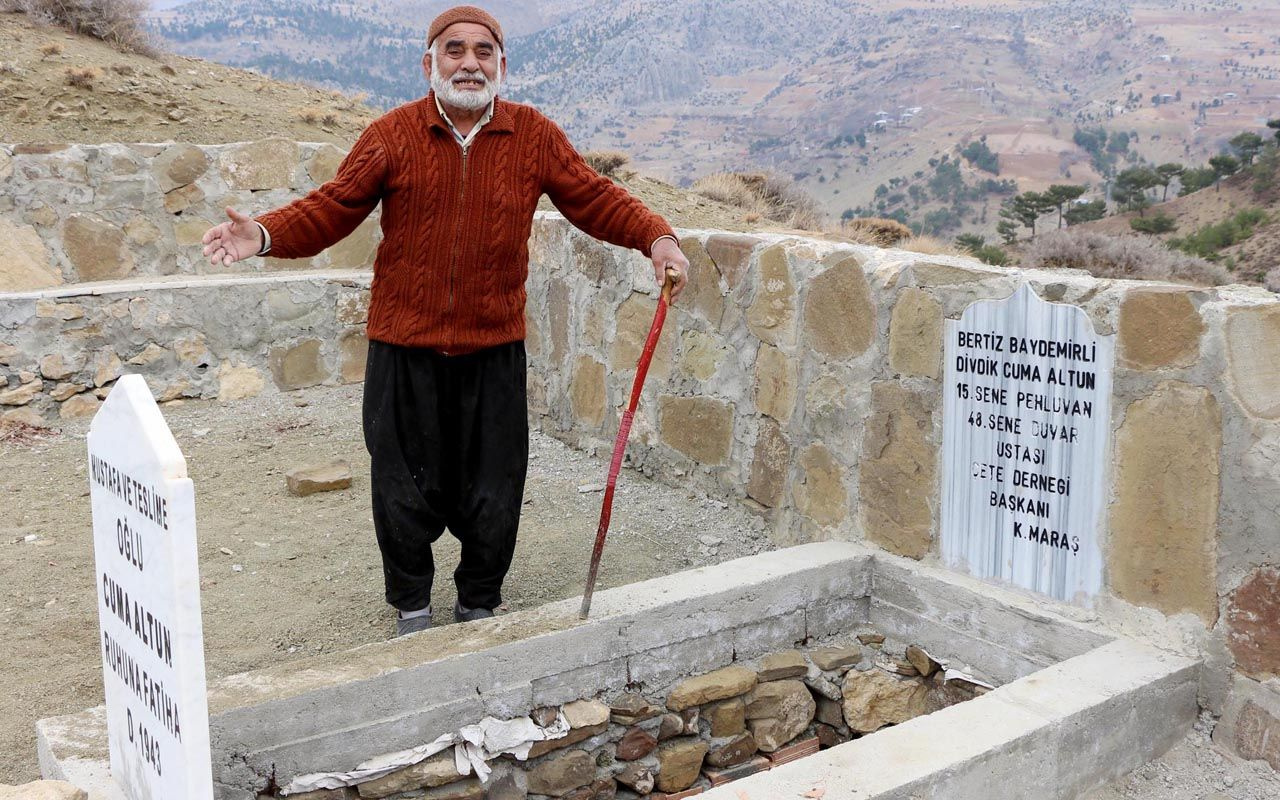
<point>464,14</point>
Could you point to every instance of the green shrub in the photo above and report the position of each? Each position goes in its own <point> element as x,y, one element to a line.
<point>1159,222</point>
<point>1209,241</point>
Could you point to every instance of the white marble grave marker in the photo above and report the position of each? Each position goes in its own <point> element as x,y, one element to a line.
<point>1026,422</point>
<point>148,582</point>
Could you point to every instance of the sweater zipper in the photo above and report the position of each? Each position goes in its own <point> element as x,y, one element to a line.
<point>453,258</point>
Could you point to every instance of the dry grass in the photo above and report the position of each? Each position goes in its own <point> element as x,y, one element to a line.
<point>1120,257</point>
<point>772,197</point>
<point>83,77</point>
<point>119,23</point>
<point>51,49</point>
<point>606,162</point>
<point>932,246</point>
<point>876,231</point>
<point>20,433</point>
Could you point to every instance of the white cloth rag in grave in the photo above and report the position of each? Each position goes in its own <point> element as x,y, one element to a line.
<point>474,746</point>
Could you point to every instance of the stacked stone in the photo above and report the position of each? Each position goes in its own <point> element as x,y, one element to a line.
<point>59,357</point>
<point>710,729</point>
<point>96,212</point>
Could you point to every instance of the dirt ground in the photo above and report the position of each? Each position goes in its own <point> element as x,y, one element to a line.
<point>303,574</point>
<point>286,577</point>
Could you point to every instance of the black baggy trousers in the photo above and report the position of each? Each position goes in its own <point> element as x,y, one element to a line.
<point>448,440</point>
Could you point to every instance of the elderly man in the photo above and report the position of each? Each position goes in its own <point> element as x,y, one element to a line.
<point>459,174</point>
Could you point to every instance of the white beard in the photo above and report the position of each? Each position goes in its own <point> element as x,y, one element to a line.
<point>468,99</point>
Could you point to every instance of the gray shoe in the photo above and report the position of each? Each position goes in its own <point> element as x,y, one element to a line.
<point>405,627</point>
<point>463,614</point>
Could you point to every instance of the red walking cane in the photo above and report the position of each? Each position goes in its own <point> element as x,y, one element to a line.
<point>620,444</point>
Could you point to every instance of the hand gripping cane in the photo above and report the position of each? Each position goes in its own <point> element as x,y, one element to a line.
<point>620,444</point>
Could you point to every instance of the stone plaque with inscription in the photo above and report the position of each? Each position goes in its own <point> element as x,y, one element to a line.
<point>148,582</point>
<point>1026,418</point>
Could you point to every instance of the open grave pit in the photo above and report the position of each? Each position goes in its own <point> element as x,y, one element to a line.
<point>651,686</point>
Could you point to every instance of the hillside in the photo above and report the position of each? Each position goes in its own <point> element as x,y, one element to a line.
<point>131,97</point>
<point>843,96</point>
<point>1250,259</point>
<point>373,49</point>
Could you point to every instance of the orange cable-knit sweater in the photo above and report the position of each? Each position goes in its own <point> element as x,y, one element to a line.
<point>451,268</point>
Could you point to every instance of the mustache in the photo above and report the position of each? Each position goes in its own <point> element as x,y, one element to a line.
<point>460,76</point>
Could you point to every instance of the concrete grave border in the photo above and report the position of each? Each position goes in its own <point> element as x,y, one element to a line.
<point>1075,708</point>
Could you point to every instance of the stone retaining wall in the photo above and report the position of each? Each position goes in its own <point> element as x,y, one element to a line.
<point>81,213</point>
<point>797,376</point>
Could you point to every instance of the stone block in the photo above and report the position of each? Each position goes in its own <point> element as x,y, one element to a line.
<point>1253,625</point>
<point>779,711</point>
<point>636,743</point>
<point>79,406</point>
<point>1164,517</point>
<point>1158,329</point>
<point>699,427</point>
<point>599,789</point>
<point>770,465</point>
<point>727,717</point>
<point>731,253</point>
<point>771,315</point>
<point>832,659</point>
<point>915,335</point>
<point>106,367</point>
<point>585,713</point>
<point>23,415</point>
<point>737,750</point>
<point>315,478</point>
<point>574,736</point>
<point>141,231</point>
<point>701,355</point>
<point>24,260</point>
<point>898,469</point>
<point>719,685</point>
<point>635,317</point>
<point>680,763</point>
<point>587,391</point>
<point>637,776</point>
<point>237,382</point>
<point>779,666</point>
<point>437,770</point>
<point>148,355</point>
<point>64,390</point>
<point>590,257</point>
<point>820,492</point>
<point>873,699</point>
<point>189,232</point>
<point>719,777</point>
<point>22,394</point>
<point>257,166</point>
<point>839,318</point>
<point>177,201</point>
<point>95,248</point>
<point>562,774</point>
<point>702,295</point>
<point>50,309</point>
<point>775,388</point>
<point>560,313</point>
<point>353,308</point>
<point>324,162</point>
<point>1253,354</point>
<point>179,165</point>
<point>1258,735</point>
<point>297,367</point>
<point>353,355</point>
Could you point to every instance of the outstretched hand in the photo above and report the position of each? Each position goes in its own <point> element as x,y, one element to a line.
<point>667,254</point>
<point>232,241</point>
